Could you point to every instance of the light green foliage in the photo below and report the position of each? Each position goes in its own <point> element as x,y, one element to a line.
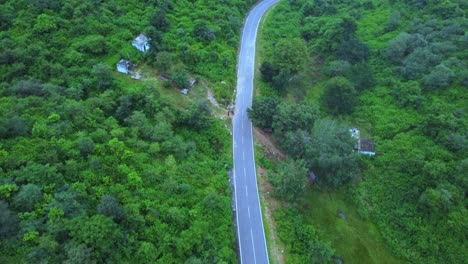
<point>97,167</point>
<point>290,54</point>
<point>409,97</point>
<point>290,181</point>
<point>304,243</point>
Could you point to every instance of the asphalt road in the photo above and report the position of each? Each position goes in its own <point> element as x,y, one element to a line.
<point>250,232</point>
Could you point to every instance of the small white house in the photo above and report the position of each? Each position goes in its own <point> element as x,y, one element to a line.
<point>124,66</point>
<point>141,43</point>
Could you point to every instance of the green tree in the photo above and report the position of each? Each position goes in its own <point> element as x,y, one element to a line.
<point>440,77</point>
<point>79,254</point>
<point>159,20</point>
<point>163,61</point>
<point>290,181</point>
<point>262,111</point>
<point>98,232</point>
<point>440,200</point>
<point>103,76</point>
<point>8,221</point>
<point>340,96</point>
<point>290,54</point>
<point>110,206</point>
<point>353,50</point>
<point>292,117</point>
<point>268,71</point>
<point>330,154</point>
<point>28,196</point>
<point>199,115</point>
<point>180,77</point>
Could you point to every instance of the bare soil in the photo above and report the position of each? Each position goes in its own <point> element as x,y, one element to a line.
<point>270,204</point>
<point>269,148</point>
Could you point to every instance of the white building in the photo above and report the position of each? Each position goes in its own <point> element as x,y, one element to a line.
<point>141,43</point>
<point>124,66</point>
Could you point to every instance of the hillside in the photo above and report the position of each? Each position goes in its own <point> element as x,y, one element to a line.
<point>397,71</point>
<point>96,167</point>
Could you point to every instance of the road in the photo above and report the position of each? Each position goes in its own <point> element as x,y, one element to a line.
<point>250,232</point>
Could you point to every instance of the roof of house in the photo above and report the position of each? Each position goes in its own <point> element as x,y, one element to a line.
<point>366,145</point>
<point>141,39</point>
<point>125,64</point>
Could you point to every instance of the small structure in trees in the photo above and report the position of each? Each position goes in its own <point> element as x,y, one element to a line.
<point>363,146</point>
<point>125,66</point>
<point>311,176</point>
<point>366,147</point>
<point>141,43</point>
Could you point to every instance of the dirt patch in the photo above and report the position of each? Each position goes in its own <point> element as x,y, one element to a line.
<point>276,248</point>
<point>210,96</point>
<point>269,148</point>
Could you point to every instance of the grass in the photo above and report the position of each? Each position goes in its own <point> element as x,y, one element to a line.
<point>355,240</point>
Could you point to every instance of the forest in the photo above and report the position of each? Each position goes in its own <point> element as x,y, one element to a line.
<point>96,167</point>
<point>397,71</point>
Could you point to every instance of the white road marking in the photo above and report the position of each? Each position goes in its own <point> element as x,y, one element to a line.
<point>248,208</point>
<point>242,139</point>
<point>245,172</point>
<point>243,156</point>
<point>247,194</point>
<point>253,246</point>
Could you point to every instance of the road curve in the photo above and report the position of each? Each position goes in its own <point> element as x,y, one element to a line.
<point>250,232</point>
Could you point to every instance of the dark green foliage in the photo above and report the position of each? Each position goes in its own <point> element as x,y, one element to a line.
<point>440,77</point>
<point>280,81</point>
<point>353,50</point>
<point>13,127</point>
<point>180,77</point>
<point>109,206</point>
<point>330,154</point>
<point>27,197</point>
<point>79,254</point>
<point>199,116</point>
<point>8,221</point>
<point>340,96</point>
<point>418,63</point>
<point>268,71</point>
<point>86,147</point>
<point>262,111</point>
<point>393,21</point>
<point>204,32</point>
<point>163,61</point>
<point>159,20</point>
<point>103,76</point>
<point>338,68</point>
<point>290,181</point>
<point>403,45</point>
<point>28,88</point>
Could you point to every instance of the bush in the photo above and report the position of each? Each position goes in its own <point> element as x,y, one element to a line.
<point>440,77</point>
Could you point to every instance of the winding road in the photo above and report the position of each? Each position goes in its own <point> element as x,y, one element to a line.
<point>250,231</point>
